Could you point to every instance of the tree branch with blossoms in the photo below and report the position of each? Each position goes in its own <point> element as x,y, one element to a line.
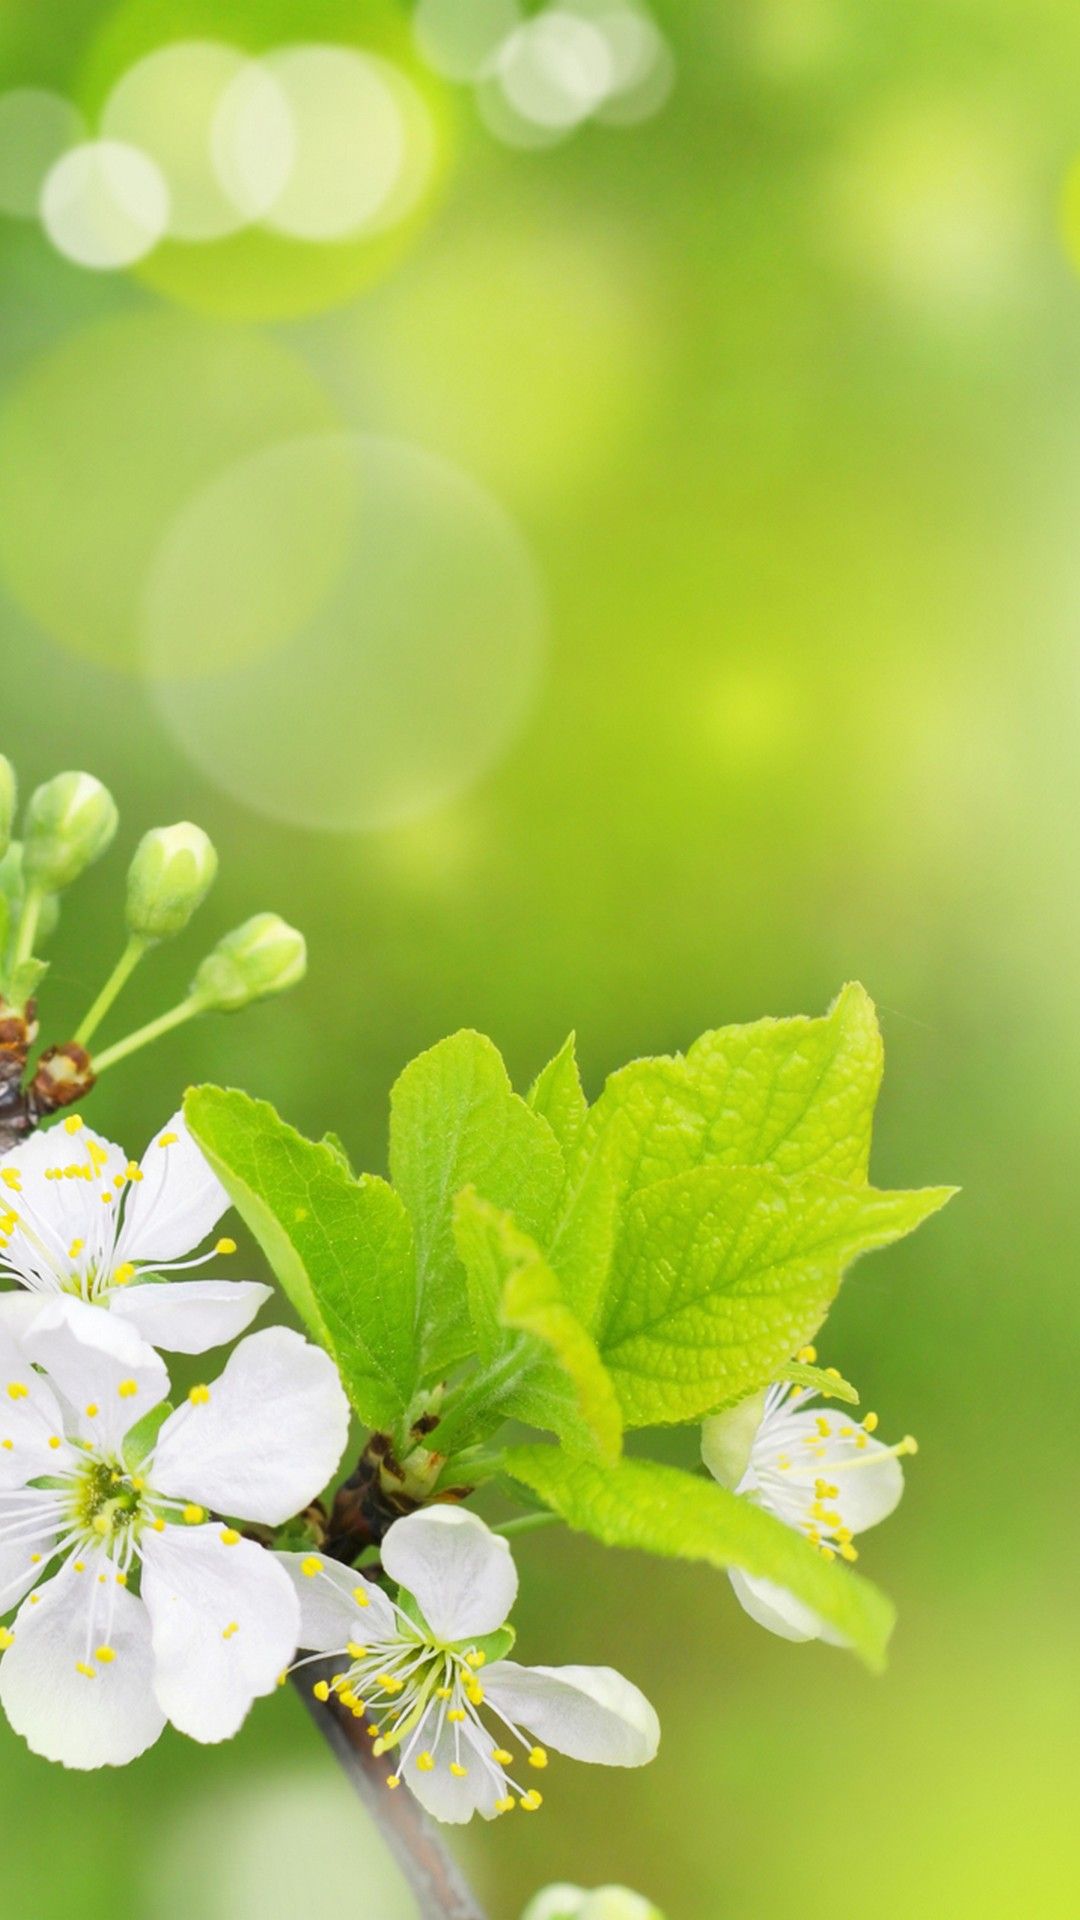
<point>664,1255</point>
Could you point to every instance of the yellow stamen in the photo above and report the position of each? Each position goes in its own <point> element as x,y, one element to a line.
<point>192,1515</point>
<point>199,1396</point>
<point>806,1356</point>
<point>531,1801</point>
<point>311,1566</point>
<point>229,1537</point>
<point>225,1246</point>
<point>425,1763</point>
<point>128,1389</point>
<point>538,1757</point>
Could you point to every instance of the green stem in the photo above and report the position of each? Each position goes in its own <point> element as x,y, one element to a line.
<point>153,1030</point>
<point>528,1523</point>
<point>482,1389</point>
<point>117,980</point>
<point>27,928</point>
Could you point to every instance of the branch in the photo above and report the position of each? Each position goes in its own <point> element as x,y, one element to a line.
<point>430,1869</point>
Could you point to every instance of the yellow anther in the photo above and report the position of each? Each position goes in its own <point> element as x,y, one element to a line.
<point>501,1757</point>
<point>123,1273</point>
<point>355,1651</point>
<point>281,1679</point>
<point>35,1599</point>
<point>158,1525</point>
<point>459,1772</point>
<point>101,1579</point>
<point>132,1171</point>
<point>393,1780</point>
<point>128,1389</point>
<point>7,1639</point>
<point>506,1805</point>
<point>75,1249</point>
<point>193,1515</point>
<point>54,1441</point>
<point>861,1440</point>
<point>106,1199</point>
<point>870,1422</point>
<point>118,1179</point>
<point>233,1627</point>
<point>10,1178</point>
<point>531,1800</point>
<point>823,1426</point>
<point>229,1537</point>
<point>80,1566</point>
<point>167,1140</point>
<point>35,1559</point>
<point>843,1536</point>
<point>348,1699</point>
<point>9,1446</point>
<point>475,1696</point>
<point>339,1680</point>
<point>475,1658</point>
<point>848,1552</point>
<point>827,1553</point>
<point>360,1595</point>
<point>73,1123</point>
<point>908,1444</point>
<point>138,1484</point>
<point>806,1356</point>
<point>456,1714</point>
<point>538,1757</point>
<point>225,1246</point>
<point>17,1390</point>
<point>199,1396</point>
<point>106,1655</point>
<point>311,1566</point>
<point>121,1579</point>
<point>321,1690</point>
<point>425,1763</point>
<point>87,1672</point>
<point>92,1410</point>
<point>443,1693</point>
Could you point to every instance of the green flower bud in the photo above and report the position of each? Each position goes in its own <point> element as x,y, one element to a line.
<point>69,823</point>
<point>7,803</point>
<point>263,956</point>
<point>170,875</point>
<point>574,1903</point>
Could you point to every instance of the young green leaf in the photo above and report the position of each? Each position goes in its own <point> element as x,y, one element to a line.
<point>557,1094</point>
<point>662,1510</point>
<point>341,1248</point>
<point>456,1122</point>
<point>720,1274</point>
<point>824,1380</point>
<point>561,1382</point>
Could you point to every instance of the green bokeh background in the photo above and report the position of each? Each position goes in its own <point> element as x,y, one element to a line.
<point>783,390</point>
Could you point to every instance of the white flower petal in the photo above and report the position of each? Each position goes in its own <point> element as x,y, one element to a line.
<point>330,1615</point>
<point>176,1204</point>
<point>97,1362</point>
<point>773,1607</point>
<point>30,1418</point>
<point>461,1574</point>
<point>449,1797</point>
<point>18,1311</point>
<point>868,1477</point>
<point>267,1438</point>
<point>225,1622</point>
<point>190,1316</point>
<point>28,1534</point>
<point>61,1178</point>
<point>63,1715</point>
<point>589,1713</point>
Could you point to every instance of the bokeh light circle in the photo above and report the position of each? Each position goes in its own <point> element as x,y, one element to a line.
<point>349,142</point>
<point>166,105</point>
<point>252,140</point>
<point>104,205</point>
<point>36,128</point>
<point>555,69</point>
<point>460,38</point>
<point>408,682</point>
<point>106,436</point>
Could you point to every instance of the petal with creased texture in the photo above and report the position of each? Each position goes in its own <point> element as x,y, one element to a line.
<point>449,1797</point>
<point>268,1437</point>
<point>225,1623</point>
<point>461,1574</point>
<point>63,1715</point>
<point>588,1713</point>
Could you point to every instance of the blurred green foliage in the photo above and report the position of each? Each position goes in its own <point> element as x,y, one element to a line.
<point>782,389</point>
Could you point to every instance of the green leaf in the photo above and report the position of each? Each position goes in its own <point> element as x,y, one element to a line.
<point>341,1248</point>
<point>661,1510</point>
<point>513,1288</point>
<point>140,1438</point>
<point>339,1150</point>
<point>557,1094</point>
<point>720,1274</point>
<point>456,1122</point>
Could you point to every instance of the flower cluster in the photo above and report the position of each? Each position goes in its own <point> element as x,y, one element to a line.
<point>140,1599</point>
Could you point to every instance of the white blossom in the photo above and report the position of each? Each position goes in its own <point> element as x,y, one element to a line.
<point>469,1729</point>
<point>819,1470</point>
<point>139,1604</point>
<point>80,1222</point>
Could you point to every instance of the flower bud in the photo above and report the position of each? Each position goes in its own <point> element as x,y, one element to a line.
<point>12,892</point>
<point>574,1903</point>
<point>69,823</point>
<point>263,956</point>
<point>170,876</point>
<point>7,803</point>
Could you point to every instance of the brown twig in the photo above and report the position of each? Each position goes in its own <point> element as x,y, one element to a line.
<point>432,1873</point>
